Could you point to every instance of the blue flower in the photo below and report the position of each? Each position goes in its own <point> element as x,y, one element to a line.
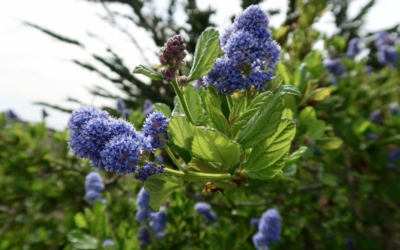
<point>223,39</point>
<point>260,242</point>
<point>144,237</point>
<point>121,154</point>
<point>254,20</point>
<point>147,107</point>
<point>335,66</point>
<point>149,169</point>
<point>205,210</point>
<point>93,187</point>
<point>388,55</point>
<point>94,182</point>
<point>376,116</point>
<point>382,39</point>
<point>108,242</point>
<point>258,77</point>
<point>353,48</point>
<point>394,155</point>
<point>143,201</point>
<point>155,127</point>
<point>225,76</point>
<point>159,223</point>
<point>254,222</point>
<point>82,115</point>
<point>394,109</point>
<point>372,136</point>
<point>270,225</point>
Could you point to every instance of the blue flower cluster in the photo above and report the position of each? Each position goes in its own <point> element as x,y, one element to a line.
<point>335,66</point>
<point>387,53</point>
<point>144,237</point>
<point>155,128</point>
<point>108,242</point>
<point>376,116</point>
<point>205,210</point>
<point>159,222</point>
<point>121,108</point>
<point>269,229</point>
<point>353,48</point>
<point>250,52</point>
<point>149,169</point>
<point>394,159</point>
<point>113,144</point>
<point>93,187</point>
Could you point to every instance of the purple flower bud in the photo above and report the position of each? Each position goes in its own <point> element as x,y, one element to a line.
<point>182,80</point>
<point>168,74</point>
<point>173,53</point>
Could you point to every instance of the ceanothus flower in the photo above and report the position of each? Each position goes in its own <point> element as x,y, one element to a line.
<point>376,116</point>
<point>173,53</point>
<point>254,222</point>
<point>121,154</point>
<point>108,242</point>
<point>258,77</point>
<point>394,155</point>
<point>142,203</point>
<point>159,222</point>
<point>149,169</point>
<point>205,210</point>
<point>223,39</point>
<point>270,225</point>
<point>388,55</point>
<point>353,48</point>
<point>260,241</point>
<point>254,20</point>
<point>93,187</point>
<point>335,66</point>
<point>393,109</point>
<point>155,128</point>
<point>82,115</point>
<point>144,237</point>
<point>225,76</point>
<point>372,136</point>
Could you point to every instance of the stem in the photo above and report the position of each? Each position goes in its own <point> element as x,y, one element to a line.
<point>192,176</point>
<point>171,155</point>
<point>229,99</point>
<point>248,97</point>
<point>182,101</point>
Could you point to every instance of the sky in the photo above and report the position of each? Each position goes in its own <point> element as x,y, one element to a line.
<point>35,67</point>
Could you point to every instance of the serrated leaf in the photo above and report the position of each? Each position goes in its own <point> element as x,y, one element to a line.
<point>269,172</point>
<point>149,72</point>
<point>212,104</point>
<point>263,124</point>
<point>180,135</point>
<point>82,241</point>
<point>163,108</point>
<point>210,145</point>
<point>193,100</point>
<point>329,143</point>
<point>265,156</point>
<point>254,106</point>
<point>80,220</point>
<point>160,186</point>
<point>206,53</point>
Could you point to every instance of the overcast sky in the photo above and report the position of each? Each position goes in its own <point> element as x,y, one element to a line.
<point>36,67</point>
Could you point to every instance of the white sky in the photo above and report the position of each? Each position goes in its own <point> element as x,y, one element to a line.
<point>36,67</point>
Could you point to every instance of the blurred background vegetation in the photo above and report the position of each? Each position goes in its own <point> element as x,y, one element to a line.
<point>344,197</point>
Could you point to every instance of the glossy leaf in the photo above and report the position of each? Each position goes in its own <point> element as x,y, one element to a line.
<point>81,240</point>
<point>206,54</point>
<point>265,156</point>
<point>149,72</point>
<point>210,145</point>
<point>204,166</point>
<point>193,100</point>
<point>329,143</point>
<point>160,186</point>
<point>180,134</point>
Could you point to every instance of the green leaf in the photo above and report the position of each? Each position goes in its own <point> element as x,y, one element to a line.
<point>329,143</point>
<point>192,97</point>
<point>327,179</point>
<point>289,170</point>
<point>307,115</point>
<point>263,124</point>
<point>82,241</point>
<point>210,145</point>
<point>316,129</point>
<point>269,172</point>
<point>205,167</point>
<point>206,54</point>
<point>299,78</point>
<point>178,110</point>
<point>289,90</point>
<point>80,220</point>
<point>265,158</point>
<point>283,72</point>
<point>237,108</point>
<point>163,108</point>
<point>296,155</point>
<point>180,135</point>
<point>212,104</point>
<point>160,186</point>
<point>320,94</point>
<point>149,72</point>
